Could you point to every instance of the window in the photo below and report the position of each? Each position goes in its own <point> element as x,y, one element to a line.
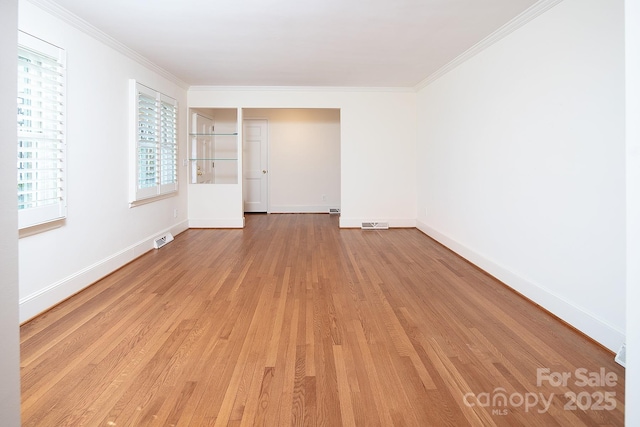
<point>155,137</point>
<point>41,132</point>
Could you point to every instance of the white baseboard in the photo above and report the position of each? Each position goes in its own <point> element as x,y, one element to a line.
<point>217,223</point>
<point>576,316</point>
<point>393,223</point>
<point>36,303</point>
<point>299,209</point>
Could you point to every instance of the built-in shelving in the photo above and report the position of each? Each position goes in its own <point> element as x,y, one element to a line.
<point>214,158</point>
<point>207,148</point>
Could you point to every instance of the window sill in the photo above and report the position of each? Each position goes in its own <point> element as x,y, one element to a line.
<point>141,202</point>
<point>40,228</point>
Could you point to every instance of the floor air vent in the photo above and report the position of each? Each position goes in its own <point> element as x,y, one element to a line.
<point>334,211</point>
<point>375,225</point>
<point>162,240</point>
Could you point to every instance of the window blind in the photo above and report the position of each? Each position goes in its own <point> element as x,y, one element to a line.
<point>147,141</point>
<point>41,132</point>
<point>168,145</point>
<point>156,143</point>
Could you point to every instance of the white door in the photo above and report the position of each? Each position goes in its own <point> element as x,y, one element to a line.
<point>254,165</point>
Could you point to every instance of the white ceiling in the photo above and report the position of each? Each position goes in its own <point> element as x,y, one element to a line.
<point>372,43</point>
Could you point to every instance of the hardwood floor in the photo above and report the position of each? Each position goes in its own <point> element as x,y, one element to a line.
<point>293,321</point>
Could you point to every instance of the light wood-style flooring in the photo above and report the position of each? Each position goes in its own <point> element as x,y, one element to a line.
<point>293,321</point>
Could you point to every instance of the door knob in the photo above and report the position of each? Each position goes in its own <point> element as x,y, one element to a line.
<point>264,171</point>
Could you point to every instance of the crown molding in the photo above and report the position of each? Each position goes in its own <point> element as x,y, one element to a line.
<point>82,25</point>
<point>206,88</point>
<point>528,15</point>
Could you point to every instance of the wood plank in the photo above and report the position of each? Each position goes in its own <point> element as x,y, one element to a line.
<point>293,321</point>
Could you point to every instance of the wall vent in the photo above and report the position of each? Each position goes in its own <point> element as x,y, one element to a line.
<point>375,225</point>
<point>159,242</point>
<point>334,211</point>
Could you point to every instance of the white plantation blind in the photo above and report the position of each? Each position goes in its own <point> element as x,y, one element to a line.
<point>41,132</point>
<point>168,143</point>
<point>147,142</point>
<point>156,143</point>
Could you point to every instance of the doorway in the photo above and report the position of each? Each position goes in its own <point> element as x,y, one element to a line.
<point>255,165</point>
<point>302,164</point>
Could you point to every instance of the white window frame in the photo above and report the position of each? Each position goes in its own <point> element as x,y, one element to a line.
<point>154,127</point>
<point>41,142</point>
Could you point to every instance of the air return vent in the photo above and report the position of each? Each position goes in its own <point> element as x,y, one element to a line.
<point>334,211</point>
<point>375,225</point>
<point>159,242</point>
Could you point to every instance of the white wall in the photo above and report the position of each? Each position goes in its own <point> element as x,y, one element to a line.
<point>9,332</point>
<point>101,232</point>
<point>632,46</point>
<point>304,158</point>
<point>521,163</point>
<point>377,139</point>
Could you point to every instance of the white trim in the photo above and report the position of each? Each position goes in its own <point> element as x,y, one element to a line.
<point>135,203</point>
<point>206,88</point>
<point>82,25</point>
<point>34,217</point>
<point>217,223</point>
<point>58,11</point>
<point>393,223</point>
<point>576,316</point>
<point>528,15</point>
<point>151,193</point>
<point>300,208</point>
<point>44,299</point>
<point>42,46</point>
